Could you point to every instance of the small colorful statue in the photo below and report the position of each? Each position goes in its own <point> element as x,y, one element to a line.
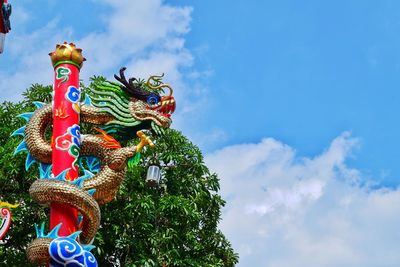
<point>5,25</point>
<point>5,214</point>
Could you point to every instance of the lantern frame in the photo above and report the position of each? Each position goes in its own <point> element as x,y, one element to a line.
<point>153,175</point>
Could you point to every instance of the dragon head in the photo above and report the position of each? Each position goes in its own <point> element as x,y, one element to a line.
<point>146,103</point>
<point>135,104</point>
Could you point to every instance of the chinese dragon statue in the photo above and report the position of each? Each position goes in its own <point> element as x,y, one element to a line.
<point>123,109</point>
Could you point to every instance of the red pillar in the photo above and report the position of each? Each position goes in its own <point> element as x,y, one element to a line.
<point>67,60</point>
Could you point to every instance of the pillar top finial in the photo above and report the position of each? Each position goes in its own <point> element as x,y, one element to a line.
<point>67,53</point>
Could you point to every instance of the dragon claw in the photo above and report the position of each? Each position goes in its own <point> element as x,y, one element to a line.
<point>144,140</point>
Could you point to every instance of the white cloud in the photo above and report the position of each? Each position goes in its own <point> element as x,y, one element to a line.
<point>144,35</point>
<point>29,56</point>
<point>148,37</point>
<point>134,29</point>
<point>283,210</point>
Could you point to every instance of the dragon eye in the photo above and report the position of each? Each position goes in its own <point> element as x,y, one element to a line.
<point>153,99</point>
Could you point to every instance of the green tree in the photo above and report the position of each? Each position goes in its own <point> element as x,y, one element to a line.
<point>173,224</point>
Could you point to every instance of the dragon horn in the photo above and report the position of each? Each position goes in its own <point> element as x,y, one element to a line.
<point>157,78</point>
<point>121,78</point>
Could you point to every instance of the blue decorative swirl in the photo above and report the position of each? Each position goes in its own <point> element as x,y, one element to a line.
<point>75,131</point>
<point>90,260</point>
<point>73,94</point>
<point>67,252</point>
<point>76,141</point>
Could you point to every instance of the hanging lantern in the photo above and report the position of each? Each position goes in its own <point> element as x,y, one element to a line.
<point>153,175</point>
<point>5,25</point>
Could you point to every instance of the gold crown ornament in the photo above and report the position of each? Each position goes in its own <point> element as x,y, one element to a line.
<point>67,53</point>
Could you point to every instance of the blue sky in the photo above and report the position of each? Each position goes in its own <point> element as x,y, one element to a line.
<point>304,72</point>
<point>294,103</point>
